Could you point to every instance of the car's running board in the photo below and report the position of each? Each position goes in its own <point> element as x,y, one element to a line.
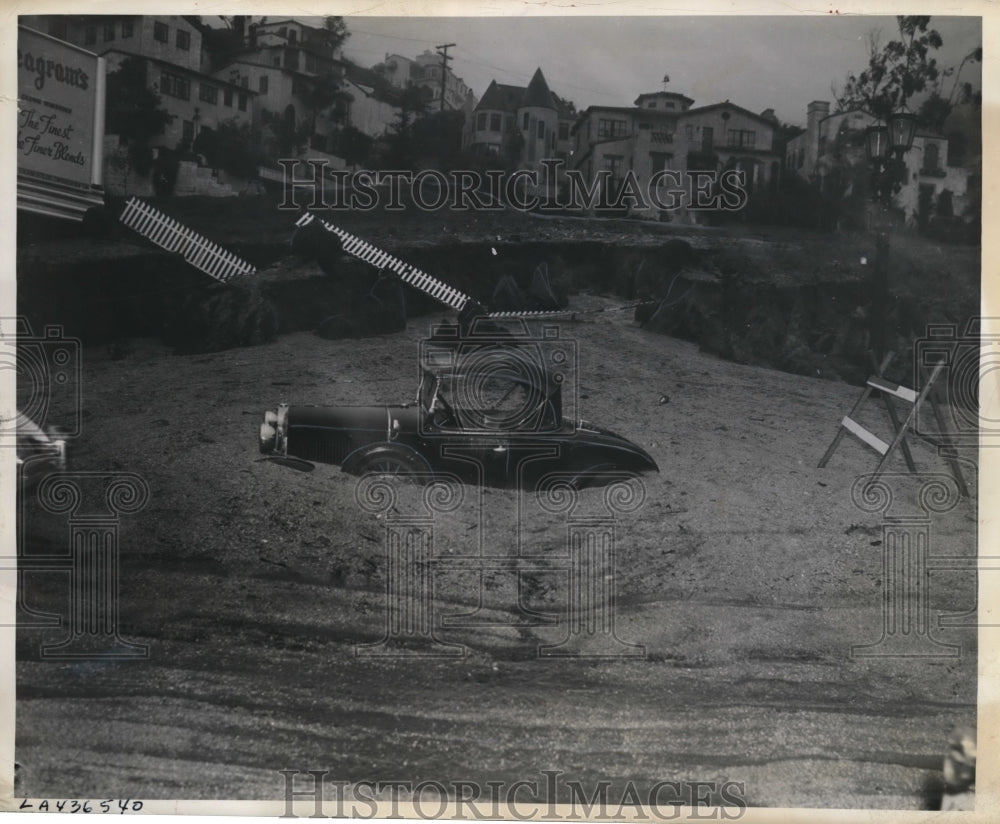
<point>291,463</point>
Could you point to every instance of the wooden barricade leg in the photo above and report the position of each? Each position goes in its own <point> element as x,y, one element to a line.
<point>841,430</point>
<point>901,432</point>
<point>894,416</point>
<point>946,451</point>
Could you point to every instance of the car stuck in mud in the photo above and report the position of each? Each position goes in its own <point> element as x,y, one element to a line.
<point>488,411</point>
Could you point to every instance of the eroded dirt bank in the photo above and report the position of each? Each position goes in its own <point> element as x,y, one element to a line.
<point>795,301</point>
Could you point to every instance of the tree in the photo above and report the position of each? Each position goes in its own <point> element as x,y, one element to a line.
<point>334,32</point>
<point>321,92</point>
<point>402,152</point>
<point>935,109</point>
<point>352,144</point>
<point>232,146</point>
<point>437,138</point>
<point>902,69</point>
<point>289,137</point>
<point>134,111</point>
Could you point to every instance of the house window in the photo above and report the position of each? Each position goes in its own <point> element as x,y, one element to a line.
<point>188,131</point>
<point>243,101</point>
<point>611,128</point>
<point>689,131</point>
<point>175,86</point>
<point>227,97</point>
<point>662,137</point>
<point>742,138</point>
<point>658,161</point>
<point>614,163</point>
<point>109,32</point>
<point>128,28</point>
<point>931,158</point>
<point>90,35</point>
<point>668,105</point>
<point>293,36</point>
<point>651,104</point>
<point>292,59</point>
<point>481,121</point>
<point>277,60</point>
<point>310,63</point>
<point>161,32</point>
<point>822,146</point>
<point>564,131</point>
<point>183,39</point>
<point>508,122</point>
<point>541,130</point>
<point>208,93</point>
<point>495,122</point>
<point>526,122</point>
<point>283,32</point>
<point>262,84</point>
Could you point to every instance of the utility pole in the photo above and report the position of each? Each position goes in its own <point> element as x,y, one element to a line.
<point>443,51</point>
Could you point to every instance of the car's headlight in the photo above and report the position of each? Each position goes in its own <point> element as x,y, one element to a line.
<point>268,432</point>
<point>272,430</point>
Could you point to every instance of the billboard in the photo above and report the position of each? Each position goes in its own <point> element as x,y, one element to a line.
<point>60,125</point>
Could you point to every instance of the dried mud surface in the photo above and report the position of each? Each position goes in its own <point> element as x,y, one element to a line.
<point>747,575</point>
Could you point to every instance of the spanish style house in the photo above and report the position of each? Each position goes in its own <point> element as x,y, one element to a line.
<point>661,131</point>
<point>831,151</point>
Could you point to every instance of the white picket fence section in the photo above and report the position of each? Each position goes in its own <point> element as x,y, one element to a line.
<point>369,253</point>
<point>448,295</point>
<point>174,236</point>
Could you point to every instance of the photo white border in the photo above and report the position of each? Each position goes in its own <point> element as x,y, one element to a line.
<point>987,801</point>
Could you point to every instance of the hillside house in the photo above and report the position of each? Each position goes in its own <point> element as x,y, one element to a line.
<point>831,152</point>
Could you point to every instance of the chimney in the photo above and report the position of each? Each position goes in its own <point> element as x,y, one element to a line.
<point>815,112</point>
<point>768,114</point>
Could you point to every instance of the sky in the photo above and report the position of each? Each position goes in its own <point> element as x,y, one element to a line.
<point>781,63</point>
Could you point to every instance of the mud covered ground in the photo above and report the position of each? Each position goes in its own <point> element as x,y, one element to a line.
<point>747,575</point>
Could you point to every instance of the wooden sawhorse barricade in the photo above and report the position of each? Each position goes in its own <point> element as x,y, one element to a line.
<point>876,383</point>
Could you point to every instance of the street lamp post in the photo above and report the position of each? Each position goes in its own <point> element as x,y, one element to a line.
<point>885,145</point>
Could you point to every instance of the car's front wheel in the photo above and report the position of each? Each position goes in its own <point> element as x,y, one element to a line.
<point>390,463</point>
<point>385,465</point>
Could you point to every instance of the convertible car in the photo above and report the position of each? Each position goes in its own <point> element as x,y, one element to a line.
<point>496,424</point>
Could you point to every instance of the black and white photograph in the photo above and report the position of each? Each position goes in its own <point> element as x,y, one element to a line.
<point>519,413</point>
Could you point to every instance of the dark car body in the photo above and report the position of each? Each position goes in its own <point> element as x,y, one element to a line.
<point>498,429</point>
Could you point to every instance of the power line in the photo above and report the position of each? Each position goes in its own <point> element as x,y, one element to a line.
<point>443,51</point>
<point>473,61</point>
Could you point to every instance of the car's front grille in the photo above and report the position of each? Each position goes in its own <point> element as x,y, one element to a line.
<point>322,447</point>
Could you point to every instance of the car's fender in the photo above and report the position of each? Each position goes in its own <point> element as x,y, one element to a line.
<point>356,460</point>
